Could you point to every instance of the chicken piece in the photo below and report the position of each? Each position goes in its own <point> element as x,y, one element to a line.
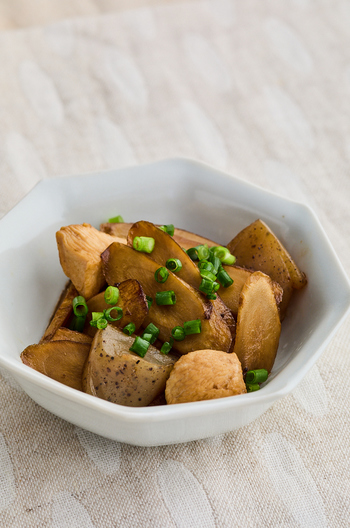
<point>79,248</point>
<point>205,375</point>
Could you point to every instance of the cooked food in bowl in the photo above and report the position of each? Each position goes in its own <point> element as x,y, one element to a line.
<point>153,314</point>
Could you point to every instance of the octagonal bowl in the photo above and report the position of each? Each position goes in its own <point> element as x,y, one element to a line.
<point>191,196</point>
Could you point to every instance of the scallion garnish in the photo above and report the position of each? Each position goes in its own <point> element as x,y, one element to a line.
<point>216,262</point>
<point>206,286</point>
<point>152,331</point>
<point>224,278</point>
<point>111,295</point>
<point>252,387</point>
<point>256,376</point>
<point>223,254</point>
<point>173,264</point>
<point>108,313</point>
<point>129,329</point>
<point>192,327</point>
<point>166,347</point>
<point>145,244</point>
<point>139,346</point>
<point>192,253</point>
<point>164,298</point>
<point>205,274</point>
<point>77,323</point>
<point>178,333</point>
<point>202,251</point>
<point>95,316</point>
<point>149,301</point>
<point>206,265</point>
<point>101,323</point>
<point>169,228</point>
<point>211,296</point>
<point>116,220</point>
<point>80,307</point>
<point>161,274</point>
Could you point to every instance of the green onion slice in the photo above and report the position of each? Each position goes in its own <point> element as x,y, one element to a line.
<point>166,347</point>
<point>116,220</point>
<point>95,316</point>
<point>139,346</point>
<point>145,244</point>
<point>256,376</point>
<point>206,286</point>
<point>129,329</point>
<point>202,251</point>
<point>193,327</point>
<point>168,228</point>
<point>192,253</point>
<point>149,301</point>
<point>165,298</point>
<point>216,262</point>
<point>80,307</point>
<point>252,387</point>
<point>224,278</point>
<point>152,331</point>
<point>173,264</point>
<point>108,313</point>
<point>77,323</point>
<point>223,254</point>
<point>205,265</point>
<point>161,274</point>
<point>205,274</point>
<point>178,333</point>
<point>101,323</point>
<point>211,296</point>
<point>111,295</point>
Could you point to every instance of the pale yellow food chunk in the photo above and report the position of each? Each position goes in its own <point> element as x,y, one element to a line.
<point>79,248</point>
<point>205,375</point>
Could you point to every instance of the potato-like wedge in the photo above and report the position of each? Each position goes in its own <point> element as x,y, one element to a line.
<point>79,248</point>
<point>226,315</point>
<point>184,238</point>
<point>257,247</point>
<point>121,262</point>
<point>62,361</point>
<point>65,334</point>
<point>166,247</point>
<point>258,324</point>
<point>62,312</point>
<point>132,300</point>
<point>115,374</point>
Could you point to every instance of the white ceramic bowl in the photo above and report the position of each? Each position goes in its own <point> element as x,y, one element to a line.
<point>192,196</point>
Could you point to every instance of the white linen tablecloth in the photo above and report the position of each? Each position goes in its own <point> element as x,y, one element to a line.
<point>261,90</point>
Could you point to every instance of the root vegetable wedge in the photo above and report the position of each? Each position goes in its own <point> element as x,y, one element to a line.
<point>65,334</point>
<point>184,238</point>
<point>121,262</point>
<point>258,324</point>
<point>62,312</point>
<point>115,374</point>
<point>166,247</point>
<point>79,249</point>
<point>62,361</point>
<point>132,300</point>
<point>257,247</point>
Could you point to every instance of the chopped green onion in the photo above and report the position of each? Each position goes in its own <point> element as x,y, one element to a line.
<point>116,220</point>
<point>216,262</point>
<point>145,244</point>
<point>167,346</point>
<point>149,301</point>
<point>147,337</point>
<point>80,307</point>
<point>174,264</point>
<point>252,387</point>
<point>109,317</point>
<point>77,323</point>
<point>193,327</point>
<point>101,323</point>
<point>152,331</point>
<point>178,333</point>
<point>169,228</point>
<point>205,274</point>
<point>161,274</point>
<point>202,251</point>
<point>211,296</point>
<point>206,286</point>
<point>256,376</point>
<point>223,254</point>
<point>111,295</point>
<point>139,346</point>
<point>95,316</point>
<point>129,329</point>
<point>224,278</point>
<point>165,298</point>
<point>216,286</point>
<point>206,265</point>
<point>192,253</point>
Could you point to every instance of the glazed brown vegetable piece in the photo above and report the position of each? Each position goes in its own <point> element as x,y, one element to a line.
<point>65,334</point>
<point>115,374</point>
<point>257,247</point>
<point>205,375</point>
<point>62,313</point>
<point>258,324</point>
<point>79,248</point>
<point>132,300</point>
<point>121,262</point>
<point>62,361</point>
<point>184,238</point>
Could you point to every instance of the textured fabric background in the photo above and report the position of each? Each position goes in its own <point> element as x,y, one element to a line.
<point>261,90</point>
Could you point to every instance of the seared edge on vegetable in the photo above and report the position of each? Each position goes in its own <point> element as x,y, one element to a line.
<point>114,373</point>
<point>62,312</point>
